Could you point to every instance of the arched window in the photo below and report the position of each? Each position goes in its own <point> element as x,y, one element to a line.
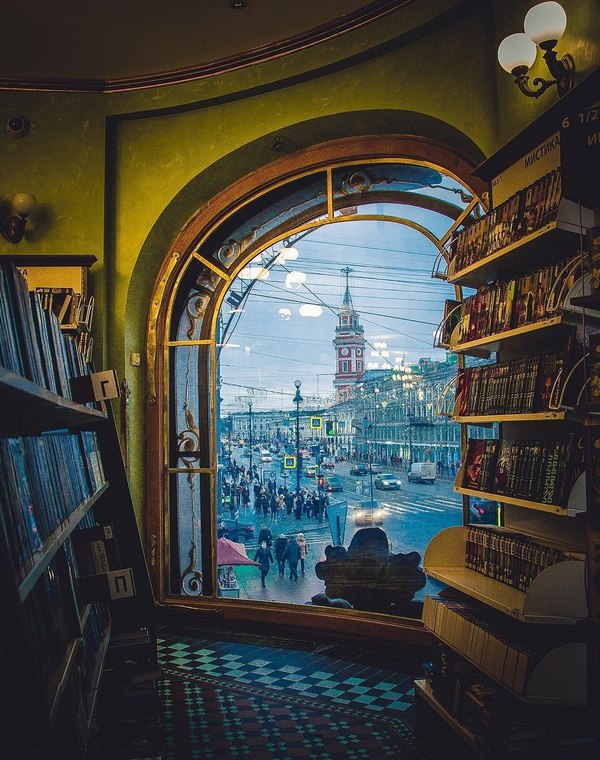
<point>208,276</point>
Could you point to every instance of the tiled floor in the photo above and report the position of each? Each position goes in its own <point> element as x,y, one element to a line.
<point>284,699</point>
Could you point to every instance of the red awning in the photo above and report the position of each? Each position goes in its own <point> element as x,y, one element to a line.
<point>230,553</point>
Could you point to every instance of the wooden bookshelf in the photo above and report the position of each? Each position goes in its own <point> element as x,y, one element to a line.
<point>31,409</point>
<point>575,506</point>
<point>70,477</point>
<point>556,596</point>
<point>556,677</point>
<point>490,343</point>
<point>476,419</point>
<point>53,545</point>
<point>424,691</point>
<point>535,248</point>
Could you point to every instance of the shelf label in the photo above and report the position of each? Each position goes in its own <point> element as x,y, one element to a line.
<point>99,386</point>
<point>532,166</point>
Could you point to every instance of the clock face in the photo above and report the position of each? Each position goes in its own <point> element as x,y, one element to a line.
<point>345,351</point>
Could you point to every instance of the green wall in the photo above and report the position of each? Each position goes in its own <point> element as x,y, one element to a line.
<point>118,175</point>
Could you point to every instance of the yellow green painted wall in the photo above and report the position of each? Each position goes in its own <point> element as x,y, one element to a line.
<point>118,175</point>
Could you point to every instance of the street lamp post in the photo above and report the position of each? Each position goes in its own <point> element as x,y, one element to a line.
<point>250,437</point>
<point>230,435</point>
<point>298,400</point>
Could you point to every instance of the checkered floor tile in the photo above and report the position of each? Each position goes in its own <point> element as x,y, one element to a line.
<point>312,674</point>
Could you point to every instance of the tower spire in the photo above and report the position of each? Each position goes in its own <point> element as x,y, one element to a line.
<point>349,345</point>
<point>347,300</point>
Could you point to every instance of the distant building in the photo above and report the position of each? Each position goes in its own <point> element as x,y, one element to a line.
<point>349,345</point>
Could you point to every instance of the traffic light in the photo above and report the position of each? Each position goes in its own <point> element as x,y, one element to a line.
<point>329,427</point>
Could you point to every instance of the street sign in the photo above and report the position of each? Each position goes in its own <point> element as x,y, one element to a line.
<point>289,463</point>
<point>316,423</point>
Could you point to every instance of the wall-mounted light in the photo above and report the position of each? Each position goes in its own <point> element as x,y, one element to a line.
<point>23,204</point>
<point>545,24</point>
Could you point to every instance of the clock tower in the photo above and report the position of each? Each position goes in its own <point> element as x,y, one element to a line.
<point>349,345</point>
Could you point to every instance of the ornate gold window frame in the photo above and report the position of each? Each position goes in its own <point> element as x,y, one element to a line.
<point>218,273</point>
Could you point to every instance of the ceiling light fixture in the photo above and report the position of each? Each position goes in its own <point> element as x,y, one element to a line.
<point>545,24</point>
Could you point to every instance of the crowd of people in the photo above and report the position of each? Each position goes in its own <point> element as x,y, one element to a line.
<point>287,550</point>
<point>241,489</point>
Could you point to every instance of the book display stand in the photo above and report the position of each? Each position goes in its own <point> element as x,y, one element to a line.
<point>515,620</point>
<point>72,569</point>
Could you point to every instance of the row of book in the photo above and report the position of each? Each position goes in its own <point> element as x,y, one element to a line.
<point>71,308</point>
<point>522,214</point>
<point>524,300</point>
<point>516,386</point>
<point>542,471</point>
<point>42,481</point>
<point>52,622</point>
<point>503,727</point>
<point>505,649</point>
<point>509,557</point>
<point>31,342</point>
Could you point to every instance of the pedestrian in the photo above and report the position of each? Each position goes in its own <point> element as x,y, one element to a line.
<point>273,507</point>
<point>265,559</point>
<point>264,504</point>
<point>301,541</point>
<point>265,535</point>
<point>299,505</point>
<point>289,503</point>
<point>280,545</point>
<point>222,531</point>
<point>292,555</point>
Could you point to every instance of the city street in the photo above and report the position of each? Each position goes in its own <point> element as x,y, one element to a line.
<point>413,514</point>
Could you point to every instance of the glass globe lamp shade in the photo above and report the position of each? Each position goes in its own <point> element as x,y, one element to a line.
<point>516,51</point>
<point>545,21</point>
<point>24,203</point>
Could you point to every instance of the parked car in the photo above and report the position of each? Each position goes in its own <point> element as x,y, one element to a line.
<point>310,471</point>
<point>422,472</point>
<point>386,481</point>
<point>483,511</point>
<point>334,483</point>
<point>236,530</point>
<point>359,469</point>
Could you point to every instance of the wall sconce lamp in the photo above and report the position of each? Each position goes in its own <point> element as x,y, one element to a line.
<point>23,204</point>
<point>545,24</point>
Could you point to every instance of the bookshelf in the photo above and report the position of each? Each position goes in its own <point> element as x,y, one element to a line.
<point>561,233</point>
<point>520,592</point>
<point>61,474</point>
<point>557,595</point>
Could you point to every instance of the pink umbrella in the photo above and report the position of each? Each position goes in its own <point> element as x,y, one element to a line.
<point>231,553</point>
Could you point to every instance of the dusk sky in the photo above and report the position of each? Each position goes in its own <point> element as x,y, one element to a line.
<point>269,344</point>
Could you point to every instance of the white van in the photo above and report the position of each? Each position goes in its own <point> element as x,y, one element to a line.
<point>422,472</point>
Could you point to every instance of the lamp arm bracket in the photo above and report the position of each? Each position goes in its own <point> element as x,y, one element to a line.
<point>540,84</point>
<point>562,69</point>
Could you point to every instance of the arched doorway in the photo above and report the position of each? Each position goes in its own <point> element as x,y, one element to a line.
<point>327,184</point>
